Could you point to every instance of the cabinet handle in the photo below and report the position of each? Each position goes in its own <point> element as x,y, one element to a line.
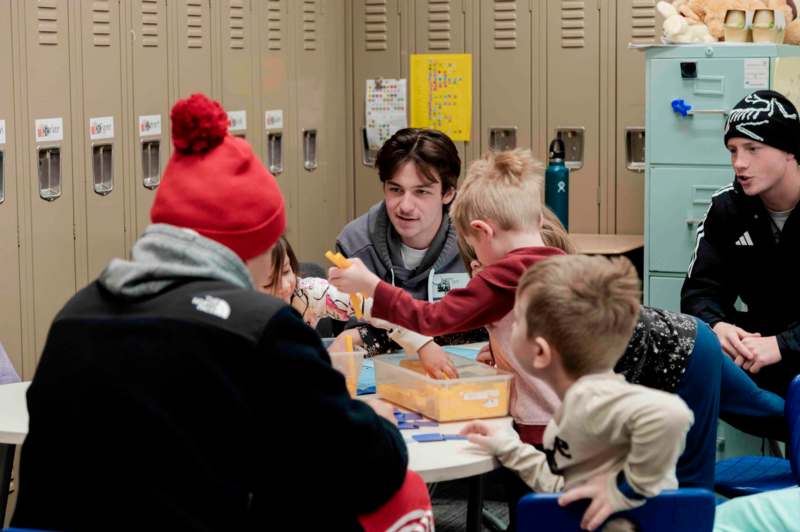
<point>694,221</point>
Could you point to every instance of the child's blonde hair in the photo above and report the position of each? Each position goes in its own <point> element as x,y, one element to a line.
<point>553,234</point>
<point>585,307</point>
<point>504,187</point>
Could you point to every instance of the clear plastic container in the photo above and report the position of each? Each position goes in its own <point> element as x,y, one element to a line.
<point>349,365</point>
<point>479,392</point>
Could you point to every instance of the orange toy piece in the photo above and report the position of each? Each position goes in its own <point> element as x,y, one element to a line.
<point>340,261</point>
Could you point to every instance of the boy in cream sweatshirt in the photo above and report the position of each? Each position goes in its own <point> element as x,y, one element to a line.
<point>610,441</point>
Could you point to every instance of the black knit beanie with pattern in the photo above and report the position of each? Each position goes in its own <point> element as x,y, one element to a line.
<point>767,117</point>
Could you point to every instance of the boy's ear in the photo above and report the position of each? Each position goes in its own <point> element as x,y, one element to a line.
<point>482,227</point>
<point>448,196</point>
<point>542,353</point>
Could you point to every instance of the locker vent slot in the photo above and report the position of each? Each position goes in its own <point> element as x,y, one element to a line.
<point>47,21</point>
<point>236,25</point>
<point>505,24</point>
<point>194,24</point>
<point>101,23</point>
<point>150,23</point>
<point>573,27</point>
<point>376,29</point>
<point>310,25</point>
<point>439,24</point>
<point>274,38</point>
<point>643,21</point>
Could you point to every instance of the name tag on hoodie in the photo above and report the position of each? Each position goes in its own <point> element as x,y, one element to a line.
<point>441,283</point>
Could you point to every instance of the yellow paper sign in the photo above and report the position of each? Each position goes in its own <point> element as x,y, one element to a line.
<point>441,93</point>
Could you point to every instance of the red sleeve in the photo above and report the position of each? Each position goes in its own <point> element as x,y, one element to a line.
<point>486,299</point>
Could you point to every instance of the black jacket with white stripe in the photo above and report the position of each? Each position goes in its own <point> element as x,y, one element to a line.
<point>737,256</point>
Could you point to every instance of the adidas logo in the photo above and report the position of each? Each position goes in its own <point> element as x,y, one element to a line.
<point>745,240</point>
<point>212,305</point>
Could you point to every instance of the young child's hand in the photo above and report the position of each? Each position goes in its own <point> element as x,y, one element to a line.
<point>596,489</point>
<point>487,436</point>
<point>436,362</point>
<point>355,279</point>
<point>485,356</point>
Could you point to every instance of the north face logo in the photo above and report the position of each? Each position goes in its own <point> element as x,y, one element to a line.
<point>745,240</point>
<point>212,305</point>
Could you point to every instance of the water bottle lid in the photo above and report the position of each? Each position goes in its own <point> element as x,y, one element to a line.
<point>557,149</point>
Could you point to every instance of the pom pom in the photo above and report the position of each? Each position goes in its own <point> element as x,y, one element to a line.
<point>199,124</point>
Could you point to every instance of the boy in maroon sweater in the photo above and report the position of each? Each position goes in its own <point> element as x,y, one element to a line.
<point>498,212</point>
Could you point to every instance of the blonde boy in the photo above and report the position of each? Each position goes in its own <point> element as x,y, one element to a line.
<point>498,211</point>
<point>613,442</point>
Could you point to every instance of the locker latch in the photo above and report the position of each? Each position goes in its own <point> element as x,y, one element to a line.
<point>310,149</point>
<point>49,170</point>
<point>502,138</point>
<point>573,145</point>
<point>368,155</point>
<point>102,169</point>
<point>275,153</point>
<point>2,177</point>
<point>151,163</point>
<point>634,148</point>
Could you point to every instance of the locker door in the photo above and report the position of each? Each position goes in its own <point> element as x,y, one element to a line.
<point>236,47</point>
<point>636,23</point>
<point>101,140</point>
<point>48,159</point>
<point>573,102</point>
<point>319,162</point>
<point>276,106</point>
<point>10,290</point>
<point>443,27</point>
<point>506,74</point>
<point>380,49</point>
<point>149,104</point>
<point>192,37</point>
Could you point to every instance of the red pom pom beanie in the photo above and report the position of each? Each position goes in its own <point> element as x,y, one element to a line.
<point>215,185</point>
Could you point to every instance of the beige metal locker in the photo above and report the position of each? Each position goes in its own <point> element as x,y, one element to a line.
<point>636,23</point>
<point>48,159</point>
<point>447,27</point>
<point>575,99</point>
<point>147,116</point>
<point>237,44</point>
<point>190,34</point>
<point>10,289</point>
<point>319,162</point>
<point>277,101</point>
<point>506,74</point>
<point>382,36</point>
<point>98,135</point>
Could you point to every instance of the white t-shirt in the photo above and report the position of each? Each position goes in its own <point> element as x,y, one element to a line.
<point>412,257</point>
<point>779,218</point>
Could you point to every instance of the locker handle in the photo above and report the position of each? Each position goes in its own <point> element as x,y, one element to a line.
<point>502,138</point>
<point>573,138</point>
<point>634,148</point>
<point>102,169</point>
<point>275,153</point>
<point>694,221</point>
<point>310,149</point>
<point>49,172</point>
<point>2,177</point>
<point>151,163</point>
<point>368,155</point>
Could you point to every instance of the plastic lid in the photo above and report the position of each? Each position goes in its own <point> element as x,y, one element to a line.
<point>557,149</point>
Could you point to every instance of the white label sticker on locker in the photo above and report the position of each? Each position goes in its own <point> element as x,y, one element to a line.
<point>756,73</point>
<point>149,125</point>
<point>101,128</point>
<point>238,120</point>
<point>273,119</point>
<point>49,129</point>
<point>2,131</point>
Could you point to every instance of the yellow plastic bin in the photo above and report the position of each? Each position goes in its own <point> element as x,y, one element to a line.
<point>479,392</point>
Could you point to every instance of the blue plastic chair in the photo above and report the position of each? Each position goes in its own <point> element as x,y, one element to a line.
<point>748,475</point>
<point>687,510</point>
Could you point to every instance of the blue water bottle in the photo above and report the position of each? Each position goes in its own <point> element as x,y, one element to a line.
<point>556,183</point>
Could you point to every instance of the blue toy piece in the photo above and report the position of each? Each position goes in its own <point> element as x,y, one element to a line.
<point>748,475</point>
<point>681,107</point>
<point>687,510</point>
